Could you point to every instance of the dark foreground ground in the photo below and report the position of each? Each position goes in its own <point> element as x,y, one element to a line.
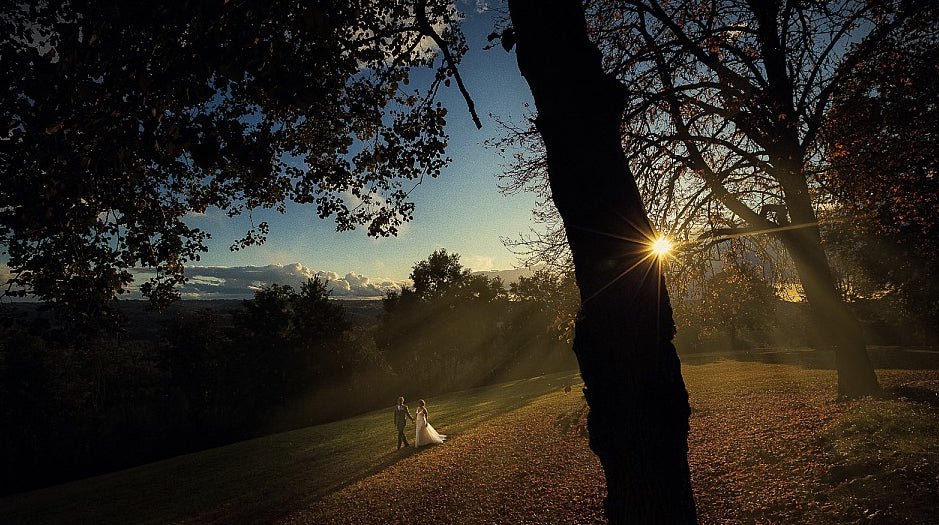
<point>768,445</point>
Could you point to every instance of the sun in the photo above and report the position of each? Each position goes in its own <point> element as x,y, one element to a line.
<point>661,247</point>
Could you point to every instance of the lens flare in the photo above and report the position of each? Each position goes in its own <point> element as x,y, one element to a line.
<point>661,247</point>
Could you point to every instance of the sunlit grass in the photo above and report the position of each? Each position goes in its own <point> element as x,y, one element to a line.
<point>875,428</point>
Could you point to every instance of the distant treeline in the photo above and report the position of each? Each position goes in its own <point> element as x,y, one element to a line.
<point>73,406</point>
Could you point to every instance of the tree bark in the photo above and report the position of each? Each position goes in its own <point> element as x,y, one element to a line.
<point>639,410</point>
<point>836,324</point>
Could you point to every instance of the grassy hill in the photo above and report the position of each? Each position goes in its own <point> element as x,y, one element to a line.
<point>767,445</point>
<point>260,479</point>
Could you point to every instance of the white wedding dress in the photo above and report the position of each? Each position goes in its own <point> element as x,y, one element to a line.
<point>424,432</point>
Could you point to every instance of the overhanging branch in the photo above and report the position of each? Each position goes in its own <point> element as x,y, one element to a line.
<point>428,30</point>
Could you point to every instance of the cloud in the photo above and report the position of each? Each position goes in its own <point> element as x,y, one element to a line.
<point>222,282</point>
<point>240,282</point>
<point>481,6</point>
<point>478,262</point>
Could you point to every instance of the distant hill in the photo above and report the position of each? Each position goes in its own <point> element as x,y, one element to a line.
<point>507,276</point>
<point>145,324</point>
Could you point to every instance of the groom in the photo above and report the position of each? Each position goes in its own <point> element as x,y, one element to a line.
<point>402,414</point>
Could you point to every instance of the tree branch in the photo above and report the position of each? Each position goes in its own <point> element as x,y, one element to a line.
<point>428,30</point>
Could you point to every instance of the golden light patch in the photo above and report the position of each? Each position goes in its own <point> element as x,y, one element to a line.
<point>661,247</point>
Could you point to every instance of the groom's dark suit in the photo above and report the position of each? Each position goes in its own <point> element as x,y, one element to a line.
<point>402,414</point>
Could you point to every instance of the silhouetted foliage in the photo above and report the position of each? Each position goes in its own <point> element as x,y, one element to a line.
<point>72,410</point>
<point>208,379</point>
<point>120,119</point>
<point>457,329</point>
<point>550,298</point>
<point>881,139</point>
<point>439,274</point>
<point>737,298</point>
<point>291,339</point>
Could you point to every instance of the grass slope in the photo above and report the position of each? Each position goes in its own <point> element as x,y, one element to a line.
<point>767,445</point>
<point>258,480</point>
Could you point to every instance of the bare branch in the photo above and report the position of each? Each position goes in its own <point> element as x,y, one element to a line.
<point>428,30</point>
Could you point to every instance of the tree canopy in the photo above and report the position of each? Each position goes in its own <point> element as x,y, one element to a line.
<point>880,180</point>
<point>119,120</point>
<point>438,274</point>
<point>737,297</point>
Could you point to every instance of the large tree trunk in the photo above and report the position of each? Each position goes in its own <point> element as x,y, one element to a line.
<point>836,324</point>
<point>639,409</point>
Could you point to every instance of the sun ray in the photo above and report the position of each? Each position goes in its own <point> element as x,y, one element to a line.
<point>747,233</point>
<point>613,235</point>
<point>661,248</point>
<point>620,276</point>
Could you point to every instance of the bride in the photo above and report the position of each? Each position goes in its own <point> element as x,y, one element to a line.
<point>425,433</point>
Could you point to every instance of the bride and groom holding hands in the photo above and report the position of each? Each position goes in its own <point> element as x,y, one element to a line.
<point>424,433</point>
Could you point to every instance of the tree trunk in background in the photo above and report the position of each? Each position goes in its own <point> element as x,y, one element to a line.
<point>639,410</point>
<point>836,324</point>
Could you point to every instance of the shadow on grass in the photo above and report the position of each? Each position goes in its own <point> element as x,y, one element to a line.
<point>887,457</point>
<point>355,449</point>
<point>882,357</point>
<point>917,393</point>
<point>280,503</point>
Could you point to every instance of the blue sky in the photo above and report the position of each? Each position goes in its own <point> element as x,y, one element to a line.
<point>461,211</point>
